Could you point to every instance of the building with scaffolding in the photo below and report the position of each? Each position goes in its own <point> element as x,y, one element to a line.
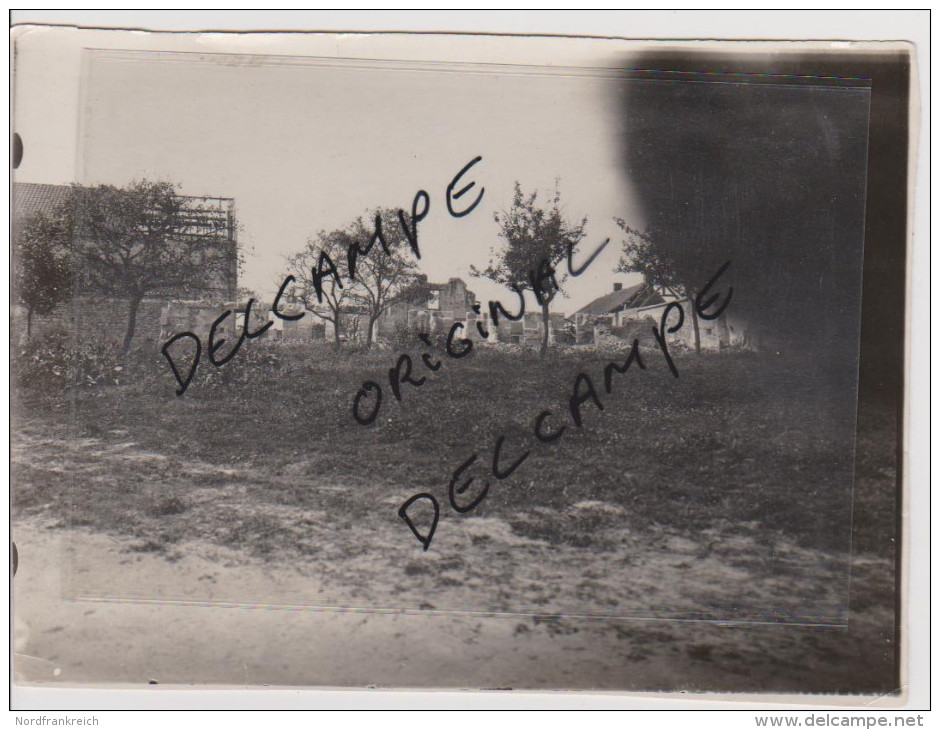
<point>207,219</point>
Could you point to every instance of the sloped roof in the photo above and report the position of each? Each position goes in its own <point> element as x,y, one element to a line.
<point>638,295</point>
<point>32,198</point>
<point>29,199</point>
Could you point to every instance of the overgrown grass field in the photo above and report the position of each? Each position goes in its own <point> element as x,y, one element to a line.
<point>744,457</point>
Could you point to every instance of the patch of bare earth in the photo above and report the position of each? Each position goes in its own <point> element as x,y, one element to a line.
<point>243,552</point>
<point>220,548</point>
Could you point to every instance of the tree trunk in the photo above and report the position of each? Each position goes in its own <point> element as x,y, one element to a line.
<point>695,330</point>
<point>337,345</point>
<point>545,325</point>
<point>29,323</point>
<point>369,332</point>
<point>131,324</point>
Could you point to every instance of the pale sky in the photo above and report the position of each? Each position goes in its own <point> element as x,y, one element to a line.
<point>308,145</point>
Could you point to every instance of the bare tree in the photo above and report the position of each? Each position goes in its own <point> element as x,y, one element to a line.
<point>144,239</point>
<point>42,266</point>
<point>388,272</point>
<point>536,240</point>
<point>381,270</point>
<point>314,292</point>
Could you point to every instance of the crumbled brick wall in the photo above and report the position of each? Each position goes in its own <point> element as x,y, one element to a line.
<point>454,302</point>
<point>103,320</point>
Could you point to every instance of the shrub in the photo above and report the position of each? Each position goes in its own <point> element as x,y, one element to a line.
<point>408,338</point>
<point>405,336</point>
<point>254,361</point>
<point>56,362</point>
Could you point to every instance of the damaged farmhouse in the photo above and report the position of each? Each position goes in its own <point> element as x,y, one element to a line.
<point>631,312</point>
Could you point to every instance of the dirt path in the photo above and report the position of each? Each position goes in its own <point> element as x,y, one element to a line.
<point>185,573</point>
<point>350,549</point>
<point>200,638</point>
<point>175,642</point>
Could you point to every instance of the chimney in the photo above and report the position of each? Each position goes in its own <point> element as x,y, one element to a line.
<point>618,286</point>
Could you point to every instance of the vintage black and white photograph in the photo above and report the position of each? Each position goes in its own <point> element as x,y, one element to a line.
<point>457,362</point>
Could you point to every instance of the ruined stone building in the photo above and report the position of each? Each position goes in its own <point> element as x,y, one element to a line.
<point>435,308</point>
<point>616,312</point>
<point>432,308</point>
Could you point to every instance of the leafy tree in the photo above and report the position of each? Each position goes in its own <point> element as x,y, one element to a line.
<point>389,271</point>
<point>144,239</point>
<point>668,261</point>
<point>333,294</point>
<point>535,241</point>
<point>380,271</point>
<point>42,266</point>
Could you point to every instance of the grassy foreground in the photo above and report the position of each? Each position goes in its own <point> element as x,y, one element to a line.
<point>724,494</point>
<point>738,437</point>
